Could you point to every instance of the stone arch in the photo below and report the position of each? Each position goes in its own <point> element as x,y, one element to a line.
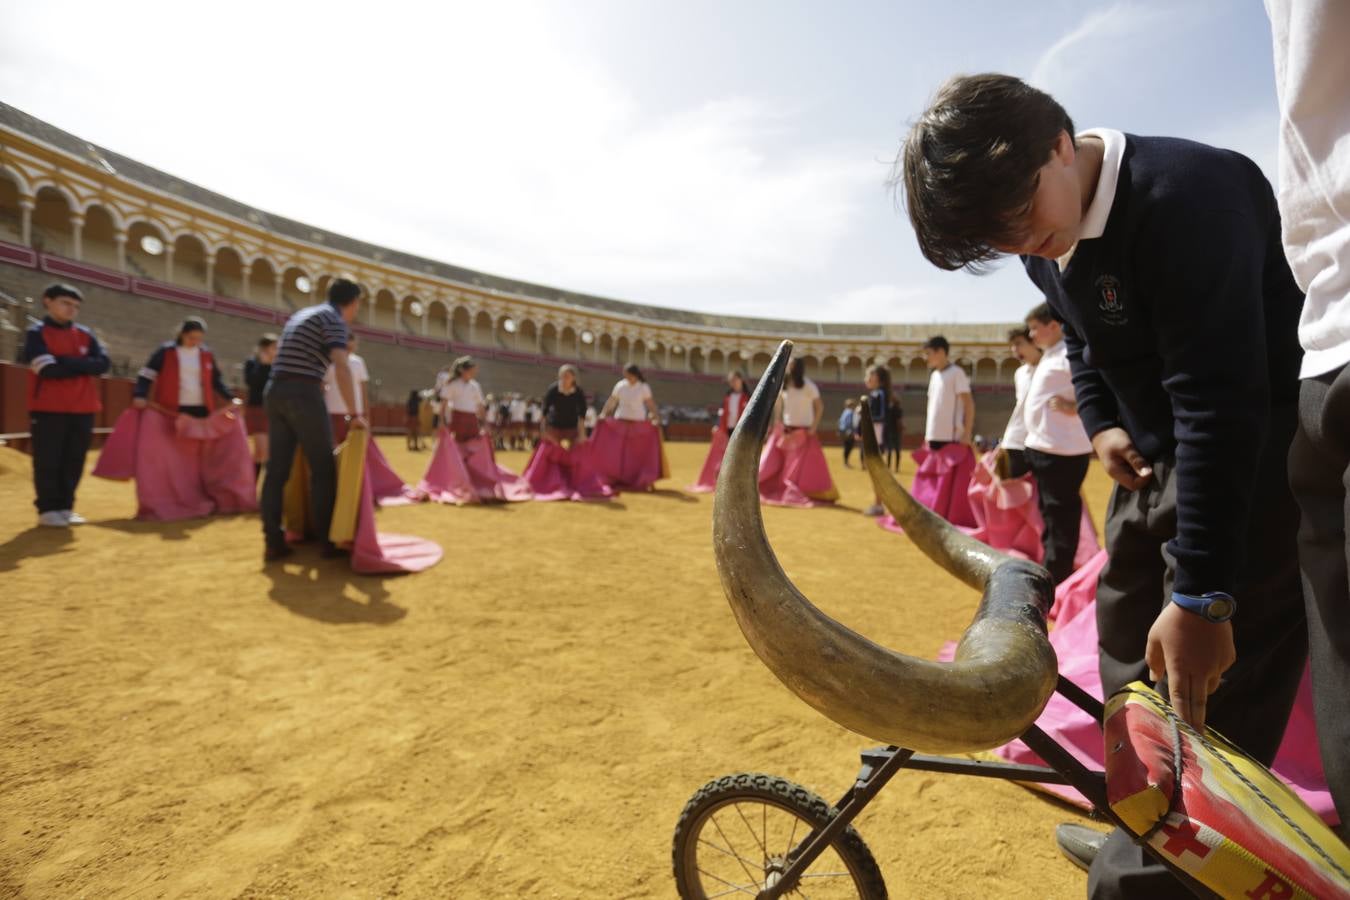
<point>569,342</point>
<point>605,347</point>
<point>262,283</point>
<point>484,330</point>
<point>986,371</point>
<point>383,309</point>
<point>438,322</point>
<point>505,331</point>
<point>461,324</point>
<point>917,372</point>
<point>321,286</point>
<point>829,368</point>
<point>12,189</point>
<point>99,240</point>
<point>21,183</point>
<point>697,359</point>
<point>1007,369</point>
<point>292,297</point>
<point>548,339</point>
<point>227,279</point>
<point>189,261</point>
<point>758,363</point>
<point>410,321</point>
<point>853,370</point>
<point>527,335</point>
<point>53,231</point>
<point>812,367</point>
<point>717,361</point>
<point>140,261</point>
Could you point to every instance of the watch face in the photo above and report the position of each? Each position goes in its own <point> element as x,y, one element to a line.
<point>1219,608</point>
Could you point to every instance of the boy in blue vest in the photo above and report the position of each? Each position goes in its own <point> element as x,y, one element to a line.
<point>64,361</point>
<point>1162,258</point>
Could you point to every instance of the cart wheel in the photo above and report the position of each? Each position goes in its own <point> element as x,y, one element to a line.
<point>736,835</point>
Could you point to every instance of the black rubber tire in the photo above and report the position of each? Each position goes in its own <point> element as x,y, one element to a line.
<point>756,787</point>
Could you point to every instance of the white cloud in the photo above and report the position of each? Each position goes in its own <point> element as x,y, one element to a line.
<point>1098,42</point>
<point>478,134</point>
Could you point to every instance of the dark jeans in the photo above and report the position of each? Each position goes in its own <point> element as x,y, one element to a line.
<point>1059,479</point>
<point>1017,462</point>
<point>848,448</point>
<point>1251,706</point>
<point>60,443</point>
<point>297,417</point>
<point>1319,472</point>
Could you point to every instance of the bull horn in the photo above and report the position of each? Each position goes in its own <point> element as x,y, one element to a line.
<point>1004,671</point>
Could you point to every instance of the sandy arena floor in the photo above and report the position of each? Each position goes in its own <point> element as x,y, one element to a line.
<point>525,720</point>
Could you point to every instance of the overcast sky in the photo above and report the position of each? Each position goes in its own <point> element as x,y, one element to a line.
<point>717,155</point>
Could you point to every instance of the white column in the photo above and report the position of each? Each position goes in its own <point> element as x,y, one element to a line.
<point>276,293</point>
<point>77,236</point>
<point>168,261</point>
<point>210,272</point>
<point>120,238</point>
<point>27,204</point>
<point>245,274</point>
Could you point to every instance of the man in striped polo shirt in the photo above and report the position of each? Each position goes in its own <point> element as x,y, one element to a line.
<point>297,415</point>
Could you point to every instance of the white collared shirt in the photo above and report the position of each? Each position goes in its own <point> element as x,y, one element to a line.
<point>463,396</point>
<point>1015,435</point>
<point>946,419</point>
<point>190,376</point>
<point>333,397</point>
<point>799,404</point>
<point>1049,430</point>
<point>632,400</point>
<point>1094,220</point>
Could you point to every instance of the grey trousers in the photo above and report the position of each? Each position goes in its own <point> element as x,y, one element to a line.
<point>1319,472</point>
<point>297,417</point>
<point>1251,708</point>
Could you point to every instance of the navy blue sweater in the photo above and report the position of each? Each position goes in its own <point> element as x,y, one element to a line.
<point>1181,323</point>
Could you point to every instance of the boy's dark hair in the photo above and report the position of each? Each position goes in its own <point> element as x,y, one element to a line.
<point>971,163</point>
<point>937,342</point>
<point>632,369</point>
<point>192,323</point>
<point>267,340</point>
<point>62,290</point>
<point>343,292</point>
<point>1042,314</point>
<point>1015,333</point>
<point>463,363</point>
<point>883,376</point>
<point>797,372</point>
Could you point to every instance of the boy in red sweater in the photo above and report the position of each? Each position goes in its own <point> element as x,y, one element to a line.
<point>64,362</point>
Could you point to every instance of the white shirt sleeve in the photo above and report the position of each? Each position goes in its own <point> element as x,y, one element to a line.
<point>960,381</point>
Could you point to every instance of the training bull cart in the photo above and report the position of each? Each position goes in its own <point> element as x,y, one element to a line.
<point>1217,819</point>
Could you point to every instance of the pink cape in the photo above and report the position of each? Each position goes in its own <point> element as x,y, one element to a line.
<point>793,471</point>
<point>555,473</point>
<point>712,465</point>
<point>468,473</point>
<point>385,485</point>
<point>375,553</point>
<point>184,467</point>
<point>942,480</point>
<point>1007,516</point>
<point>1074,637</point>
<point>627,454</point>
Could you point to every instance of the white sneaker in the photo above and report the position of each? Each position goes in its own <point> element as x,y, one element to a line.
<point>53,519</point>
<point>875,509</point>
<point>73,518</point>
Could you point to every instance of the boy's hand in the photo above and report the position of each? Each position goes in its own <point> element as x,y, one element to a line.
<point>1193,653</point>
<point>1122,460</point>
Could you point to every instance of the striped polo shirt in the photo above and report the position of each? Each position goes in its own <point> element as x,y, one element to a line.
<point>307,339</point>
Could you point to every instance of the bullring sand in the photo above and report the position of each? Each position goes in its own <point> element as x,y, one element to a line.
<point>524,720</point>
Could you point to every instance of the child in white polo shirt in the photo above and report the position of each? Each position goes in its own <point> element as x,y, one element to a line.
<point>1057,448</point>
<point>951,408</point>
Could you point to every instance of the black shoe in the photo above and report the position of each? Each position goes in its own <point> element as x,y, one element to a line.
<point>1079,843</point>
<point>333,551</point>
<point>273,554</point>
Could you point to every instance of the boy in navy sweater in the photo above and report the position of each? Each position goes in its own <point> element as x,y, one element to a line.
<point>64,362</point>
<point>1162,258</point>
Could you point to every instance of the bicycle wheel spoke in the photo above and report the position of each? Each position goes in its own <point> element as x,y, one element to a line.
<point>826,875</point>
<point>734,856</point>
<point>750,828</point>
<point>713,818</point>
<point>751,890</point>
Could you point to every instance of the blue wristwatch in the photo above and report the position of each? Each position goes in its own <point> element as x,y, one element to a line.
<point>1216,606</point>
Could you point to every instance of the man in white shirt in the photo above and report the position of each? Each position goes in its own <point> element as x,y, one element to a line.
<point>1312,70</point>
<point>1014,443</point>
<point>1058,448</point>
<point>951,408</point>
<point>337,408</point>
